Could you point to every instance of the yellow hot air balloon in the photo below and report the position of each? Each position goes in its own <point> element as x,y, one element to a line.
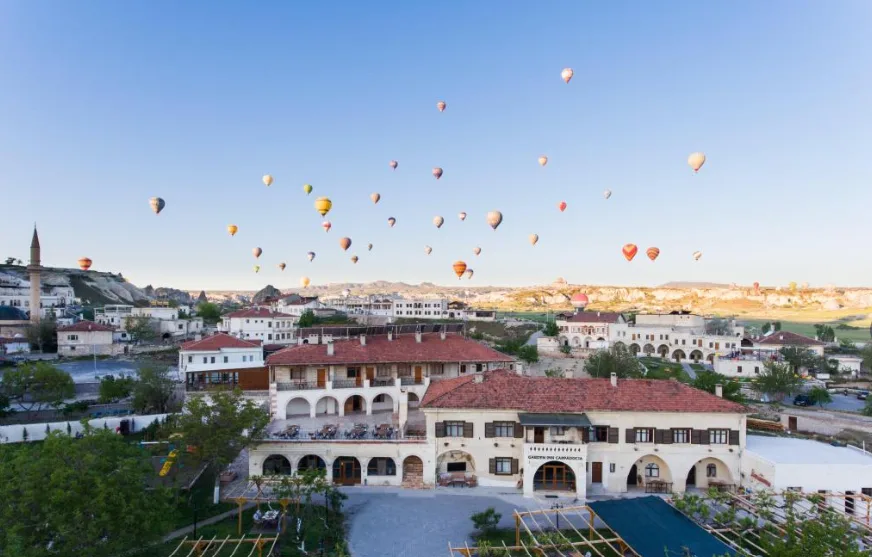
<point>394,164</point>
<point>392,221</point>
<point>459,268</point>
<point>232,229</point>
<point>461,215</point>
<point>307,188</point>
<point>375,197</point>
<point>476,250</point>
<point>157,204</point>
<point>543,160</point>
<point>311,255</point>
<point>345,243</point>
<point>267,180</point>
<point>257,268</point>
<point>438,221</point>
<point>533,239</point>
<point>323,205</point>
<point>427,250</point>
<point>494,218</point>
<point>441,106</point>
<point>696,160</point>
<point>84,263</point>
<point>437,172</point>
<point>304,281</point>
<point>354,259</point>
<point>282,266</point>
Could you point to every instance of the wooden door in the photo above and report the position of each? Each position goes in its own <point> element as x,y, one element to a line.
<point>322,378</point>
<point>359,379</point>
<point>349,406</point>
<point>791,423</point>
<point>370,374</point>
<point>596,472</point>
<point>418,375</point>
<point>539,435</point>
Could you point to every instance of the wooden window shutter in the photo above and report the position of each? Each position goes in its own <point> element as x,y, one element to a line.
<point>658,436</point>
<point>613,435</point>
<point>519,430</point>
<point>585,435</point>
<point>694,437</point>
<point>734,437</point>
<point>440,429</point>
<point>666,436</point>
<point>492,466</point>
<point>488,429</point>
<point>703,437</point>
<point>467,429</point>
<point>630,435</point>
<point>515,466</point>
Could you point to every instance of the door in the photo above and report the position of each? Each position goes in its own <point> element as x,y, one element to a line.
<point>419,372</point>
<point>691,477</point>
<point>349,406</point>
<point>358,379</point>
<point>370,374</point>
<point>539,435</point>
<point>633,476</point>
<point>791,423</point>
<point>596,472</point>
<point>322,378</point>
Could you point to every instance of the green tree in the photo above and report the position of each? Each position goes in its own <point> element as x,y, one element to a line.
<point>43,336</point>
<point>867,408</point>
<point>69,496</point>
<point>140,327</point>
<point>765,328</point>
<point>113,390</point>
<point>617,359</point>
<point>210,312</point>
<point>307,319</point>
<point>799,357</point>
<point>718,326</point>
<point>154,390</point>
<point>528,353</point>
<point>551,329</point>
<point>4,405</point>
<point>776,326</point>
<point>820,396</point>
<point>486,521</point>
<point>777,380</point>
<point>866,354</point>
<point>706,381</point>
<point>37,385</point>
<point>825,333</point>
<point>220,429</point>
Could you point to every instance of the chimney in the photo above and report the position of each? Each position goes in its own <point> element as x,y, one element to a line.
<point>390,336</point>
<point>442,335</point>
<point>363,340</point>
<point>330,348</point>
<point>417,336</point>
<point>719,390</point>
<point>614,379</point>
<point>478,377</point>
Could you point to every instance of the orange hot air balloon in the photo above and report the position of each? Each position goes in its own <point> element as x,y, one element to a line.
<point>461,215</point>
<point>566,74</point>
<point>543,160</point>
<point>441,106</point>
<point>437,172</point>
<point>84,263</point>
<point>354,259</point>
<point>630,251</point>
<point>392,221</point>
<point>459,268</point>
<point>232,229</point>
<point>533,239</point>
<point>437,220</point>
<point>323,205</point>
<point>375,197</point>
<point>652,253</point>
<point>326,226</point>
<point>476,250</point>
<point>304,281</point>
<point>345,243</point>
<point>494,218</point>
<point>282,266</point>
<point>394,164</point>
<point>256,252</point>
<point>562,206</point>
<point>267,180</point>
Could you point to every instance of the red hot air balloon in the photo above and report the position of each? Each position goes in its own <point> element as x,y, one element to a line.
<point>630,251</point>
<point>84,263</point>
<point>579,301</point>
<point>652,253</point>
<point>562,206</point>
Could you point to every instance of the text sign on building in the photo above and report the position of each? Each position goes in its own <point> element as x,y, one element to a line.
<point>554,457</point>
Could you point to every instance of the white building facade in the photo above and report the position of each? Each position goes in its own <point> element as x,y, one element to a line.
<point>260,323</point>
<point>423,308</point>
<point>223,361</point>
<point>87,338</point>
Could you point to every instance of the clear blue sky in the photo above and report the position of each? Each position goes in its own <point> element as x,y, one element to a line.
<point>104,104</point>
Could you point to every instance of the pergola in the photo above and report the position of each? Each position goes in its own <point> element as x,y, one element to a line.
<point>214,547</point>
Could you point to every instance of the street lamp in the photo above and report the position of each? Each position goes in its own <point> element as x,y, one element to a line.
<point>555,506</point>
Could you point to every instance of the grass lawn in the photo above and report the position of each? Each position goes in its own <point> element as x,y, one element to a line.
<point>697,367</point>
<point>664,369</point>
<point>200,496</point>
<point>858,334</point>
<point>507,536</point>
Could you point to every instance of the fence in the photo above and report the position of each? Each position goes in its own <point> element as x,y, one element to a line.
<point>37,432</point>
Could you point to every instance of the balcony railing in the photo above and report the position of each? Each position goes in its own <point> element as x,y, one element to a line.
<point>346,383</point>
<point>410,381</point>
<point>197,387</point>
<point>352,434</point>
<point>299,386</point>
<point>383,382</point>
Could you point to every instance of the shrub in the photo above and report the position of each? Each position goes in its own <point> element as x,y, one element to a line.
<point>486,521</point>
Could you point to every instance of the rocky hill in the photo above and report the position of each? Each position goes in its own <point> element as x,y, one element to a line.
<point>94,288</point>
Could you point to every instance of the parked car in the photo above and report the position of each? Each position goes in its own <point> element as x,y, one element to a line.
<point>863,395</point>
<point>802,400</point>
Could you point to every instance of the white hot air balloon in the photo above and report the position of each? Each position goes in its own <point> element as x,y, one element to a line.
<point>566,74</point>
<point>696,160</point>
<point>438,221</point>
<point>543,160</point>
<point>427,250</point>
<point>461,215</point>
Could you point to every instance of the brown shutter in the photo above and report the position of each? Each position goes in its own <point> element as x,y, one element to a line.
<point>613,435</point>
<point>658,436</point>
<point>667,436</point>
<point>440,429</point>
<point>630,435</point>
<point>734,437</point>
<point>519,430</point>
<point>492,466</point>
<point>694,437</point>
<point>585,435</point>
<point>703,437</point>
<point>467,429</point>
<point>514,466</point>
<point>488,429</point>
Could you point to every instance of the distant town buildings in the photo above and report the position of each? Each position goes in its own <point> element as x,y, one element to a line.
<point>261,324</point>
<point>167,322</point>
<point>87,338</point>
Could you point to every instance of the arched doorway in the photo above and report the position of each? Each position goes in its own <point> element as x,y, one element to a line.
<point>696,355</point>
<point>276,465</point>
<point>355,404</point>
<point>710,358</point>
<point>554,476</point>
<point>381,466</point>
<point>455,461</point>
<point>707,472</point>
<point>635,349</point>
<point>413,472</point>
<point>382,402</point>
<point>346,471</point>
<point>620,344</point>
<point>297,407</point>
<point>663,351</point>
<point>648,349</point>
<point>649,469</point>
<point>587,342</point>
<point>414,401</point>
<point>311,462</point>
<point>327,406</point>
<point>679,355</point>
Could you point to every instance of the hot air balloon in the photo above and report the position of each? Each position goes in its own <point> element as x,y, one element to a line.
<point>566,74</point>
<point>438,221</point>
<point>697,255</point>
<point>469,273</point>
<point>607,194</point>
<point>696,160</point>
<point>326,226</point>
<point>311,255</point>
<point>394,164</point>
<point>562,206</point>
<point>345,243</point>
<point>494,218</point>
<point>652,253</point>
<point>459,268</point>
<point>282,266</point>
<point>368,247</point>
<point>630,251</point>
<point>257,268</point>
<point>476,250</point>
<point>437,172</point>
<point>256,252</point>
<point>533,239</point>
<point>579,300</point>
<point>354,259</point>
<point>375,197</point>
<point>756,287</point>
<point>84,263</point>
<point>461,215</point>
<point>307,188</point>
<point>543,160</point>
<point>267,180</point>
<point>427,250</point>
<point>304,281</point>
<point>392,221</point>
<point>323,205</point>
<point>441,106</point>
<point>157,204</point>
<point>232,229</point>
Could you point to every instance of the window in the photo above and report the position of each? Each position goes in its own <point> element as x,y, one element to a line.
<point>866,491</point>
<point>797,489</point>
<point>599,434</point>
<point>353,372</point>
<point>756,370</point>
<point>72,337</point>
<point>226,359</point>
<point>652,471</point>
<point>246,320</point>
<point>644,435</point>
<point>558,430</point>
<point>681,435</point>
<point>504,429</point>
<point>453,429</point>
<point>298,374</point>
<point>479,367</point>
<point>711,471</point>
<point>738,369</point>
<point>190,359</point>
<point>205,359</point>
<point>381,467</point>
<point>719,436</point>
<point>503,466</point>
<point>269,324</point>
<point>455,467</point>
<point>612,468</point>
<point>212,360</point>
<point>437,369</point>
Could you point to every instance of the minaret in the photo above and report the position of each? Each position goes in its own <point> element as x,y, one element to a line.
<point>33,269</point>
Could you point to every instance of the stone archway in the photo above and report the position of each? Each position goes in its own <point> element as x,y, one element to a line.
<point>382,402</point>
<point>276,465</point>
<point>355,404</point>
<point>648,349</point>
<point>619,343</point>
<point>346,471</point>
<point>647,469</point>
<point>413,472</point>
<point>554,476</point>
<point>455,461</point>
<point>663,351</point>
<point>327,406</point>
<point>414,401</point>
<point>710,359</point>
<point>679,355</point>
<point>311,462</point>
<point>708,471</point>
<point>635,349</point>
<point>696,355</point>
<point>297,406</point>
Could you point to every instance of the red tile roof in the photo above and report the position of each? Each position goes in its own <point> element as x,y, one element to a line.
<point>85,327</point>
<point>217,342</point>
<point>255,312</point>
<point>787,338</point>
<point>595,317</point>
<point>507,390</point>
<point>403,348</point>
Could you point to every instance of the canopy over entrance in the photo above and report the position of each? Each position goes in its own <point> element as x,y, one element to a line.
<point>649,524</point>
<point>569,420</point>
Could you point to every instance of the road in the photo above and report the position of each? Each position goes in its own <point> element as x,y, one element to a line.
<point>532,340</point>
<point>843,403</point>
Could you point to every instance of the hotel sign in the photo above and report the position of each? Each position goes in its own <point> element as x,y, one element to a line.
<point>554,457</point>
